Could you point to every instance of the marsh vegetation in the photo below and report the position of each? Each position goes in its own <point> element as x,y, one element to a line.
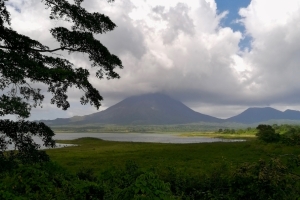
<point>98,169</point>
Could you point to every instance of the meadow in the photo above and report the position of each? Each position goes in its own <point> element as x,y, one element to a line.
<point>100,155</point>
<point>200,158</point>
<point>265,167</point>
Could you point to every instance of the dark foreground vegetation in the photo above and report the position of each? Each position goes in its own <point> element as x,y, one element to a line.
<point>97,169</point>
<point>270,179</point>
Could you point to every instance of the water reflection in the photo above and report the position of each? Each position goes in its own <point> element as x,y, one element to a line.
<point>132,137</point>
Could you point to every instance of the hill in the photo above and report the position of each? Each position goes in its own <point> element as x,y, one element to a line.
<point>257,115</point>
<point>160,109</point>
<point>150,109</point>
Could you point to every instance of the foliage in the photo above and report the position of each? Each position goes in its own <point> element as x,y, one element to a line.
<point>46,181</point>
<point>226,131</point>
<point>25,61</point>
<point>260,180</point>
<point>194,159</point>
<point>290,135</point>
<point>286,134</point>
<point>159,171</point>
<point>86,174</point>
<point>267,134</point>
<point>291,138</point>
<point>18,134</point>
<point>133,183</point>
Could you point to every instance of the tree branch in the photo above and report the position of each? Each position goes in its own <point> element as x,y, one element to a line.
<point>45,51</point>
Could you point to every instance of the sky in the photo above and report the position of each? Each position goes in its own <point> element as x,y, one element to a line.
<point>218,57</point>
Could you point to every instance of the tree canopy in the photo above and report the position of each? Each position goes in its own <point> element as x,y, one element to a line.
<point>25,61</point>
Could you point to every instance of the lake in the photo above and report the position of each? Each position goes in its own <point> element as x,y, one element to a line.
<point>143,137</point>
<point>135,137</point>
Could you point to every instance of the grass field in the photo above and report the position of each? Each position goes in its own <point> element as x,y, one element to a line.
<point>247,136</point>
<point>198,158</point>
<point>98,169</point>
<point>263,167</point>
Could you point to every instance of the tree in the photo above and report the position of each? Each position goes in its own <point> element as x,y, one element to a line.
<point>267,134</point>
<point>25,61</point>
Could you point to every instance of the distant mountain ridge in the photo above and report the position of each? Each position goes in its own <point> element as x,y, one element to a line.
<point>156,109</point>
<point>160,109</point>
<point>256,115</point>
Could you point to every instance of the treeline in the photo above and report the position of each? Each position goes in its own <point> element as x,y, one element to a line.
<point>144,128</point>
<point>213,127</point>
<point>270,179</point>
<point>249,131</point>
<point>284,130</point>
<point>286,134</point>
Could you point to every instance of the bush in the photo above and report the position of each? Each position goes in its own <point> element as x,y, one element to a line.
<point>259,181</point>
<point>270,179</point>
<point>146,186</point>
<point>86,174</point>
<point>46,181</point>
<point>133,183</point>
<point>291,137</point>
<point>267,134</point>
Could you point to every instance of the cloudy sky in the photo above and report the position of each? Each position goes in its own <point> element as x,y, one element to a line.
<point>218,57</point>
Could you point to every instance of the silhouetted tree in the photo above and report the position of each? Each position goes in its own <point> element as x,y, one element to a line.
<point>24,61</point>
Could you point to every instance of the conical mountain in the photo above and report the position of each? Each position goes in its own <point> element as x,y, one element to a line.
<point>148,109</point>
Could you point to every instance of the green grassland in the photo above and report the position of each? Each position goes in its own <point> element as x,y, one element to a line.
<point>262,167</point>
<point>198,158</point>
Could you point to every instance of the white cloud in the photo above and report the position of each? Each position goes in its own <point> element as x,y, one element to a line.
<point>179,47</point>
<point>263,16</point>
<point>274,27</point>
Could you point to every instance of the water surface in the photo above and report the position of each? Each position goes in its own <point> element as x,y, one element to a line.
<point>132,137</point>
<point>143,137</point>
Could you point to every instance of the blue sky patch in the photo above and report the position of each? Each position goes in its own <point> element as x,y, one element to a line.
<point>233,7</point>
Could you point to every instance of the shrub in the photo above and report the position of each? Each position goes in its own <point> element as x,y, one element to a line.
<point>86,174</point>
<point>46,181</point>
<point>146,186</point>
<point>267,134</point>
<point>270,179</point>
<point>133,183</point>
<point>291,137</point>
